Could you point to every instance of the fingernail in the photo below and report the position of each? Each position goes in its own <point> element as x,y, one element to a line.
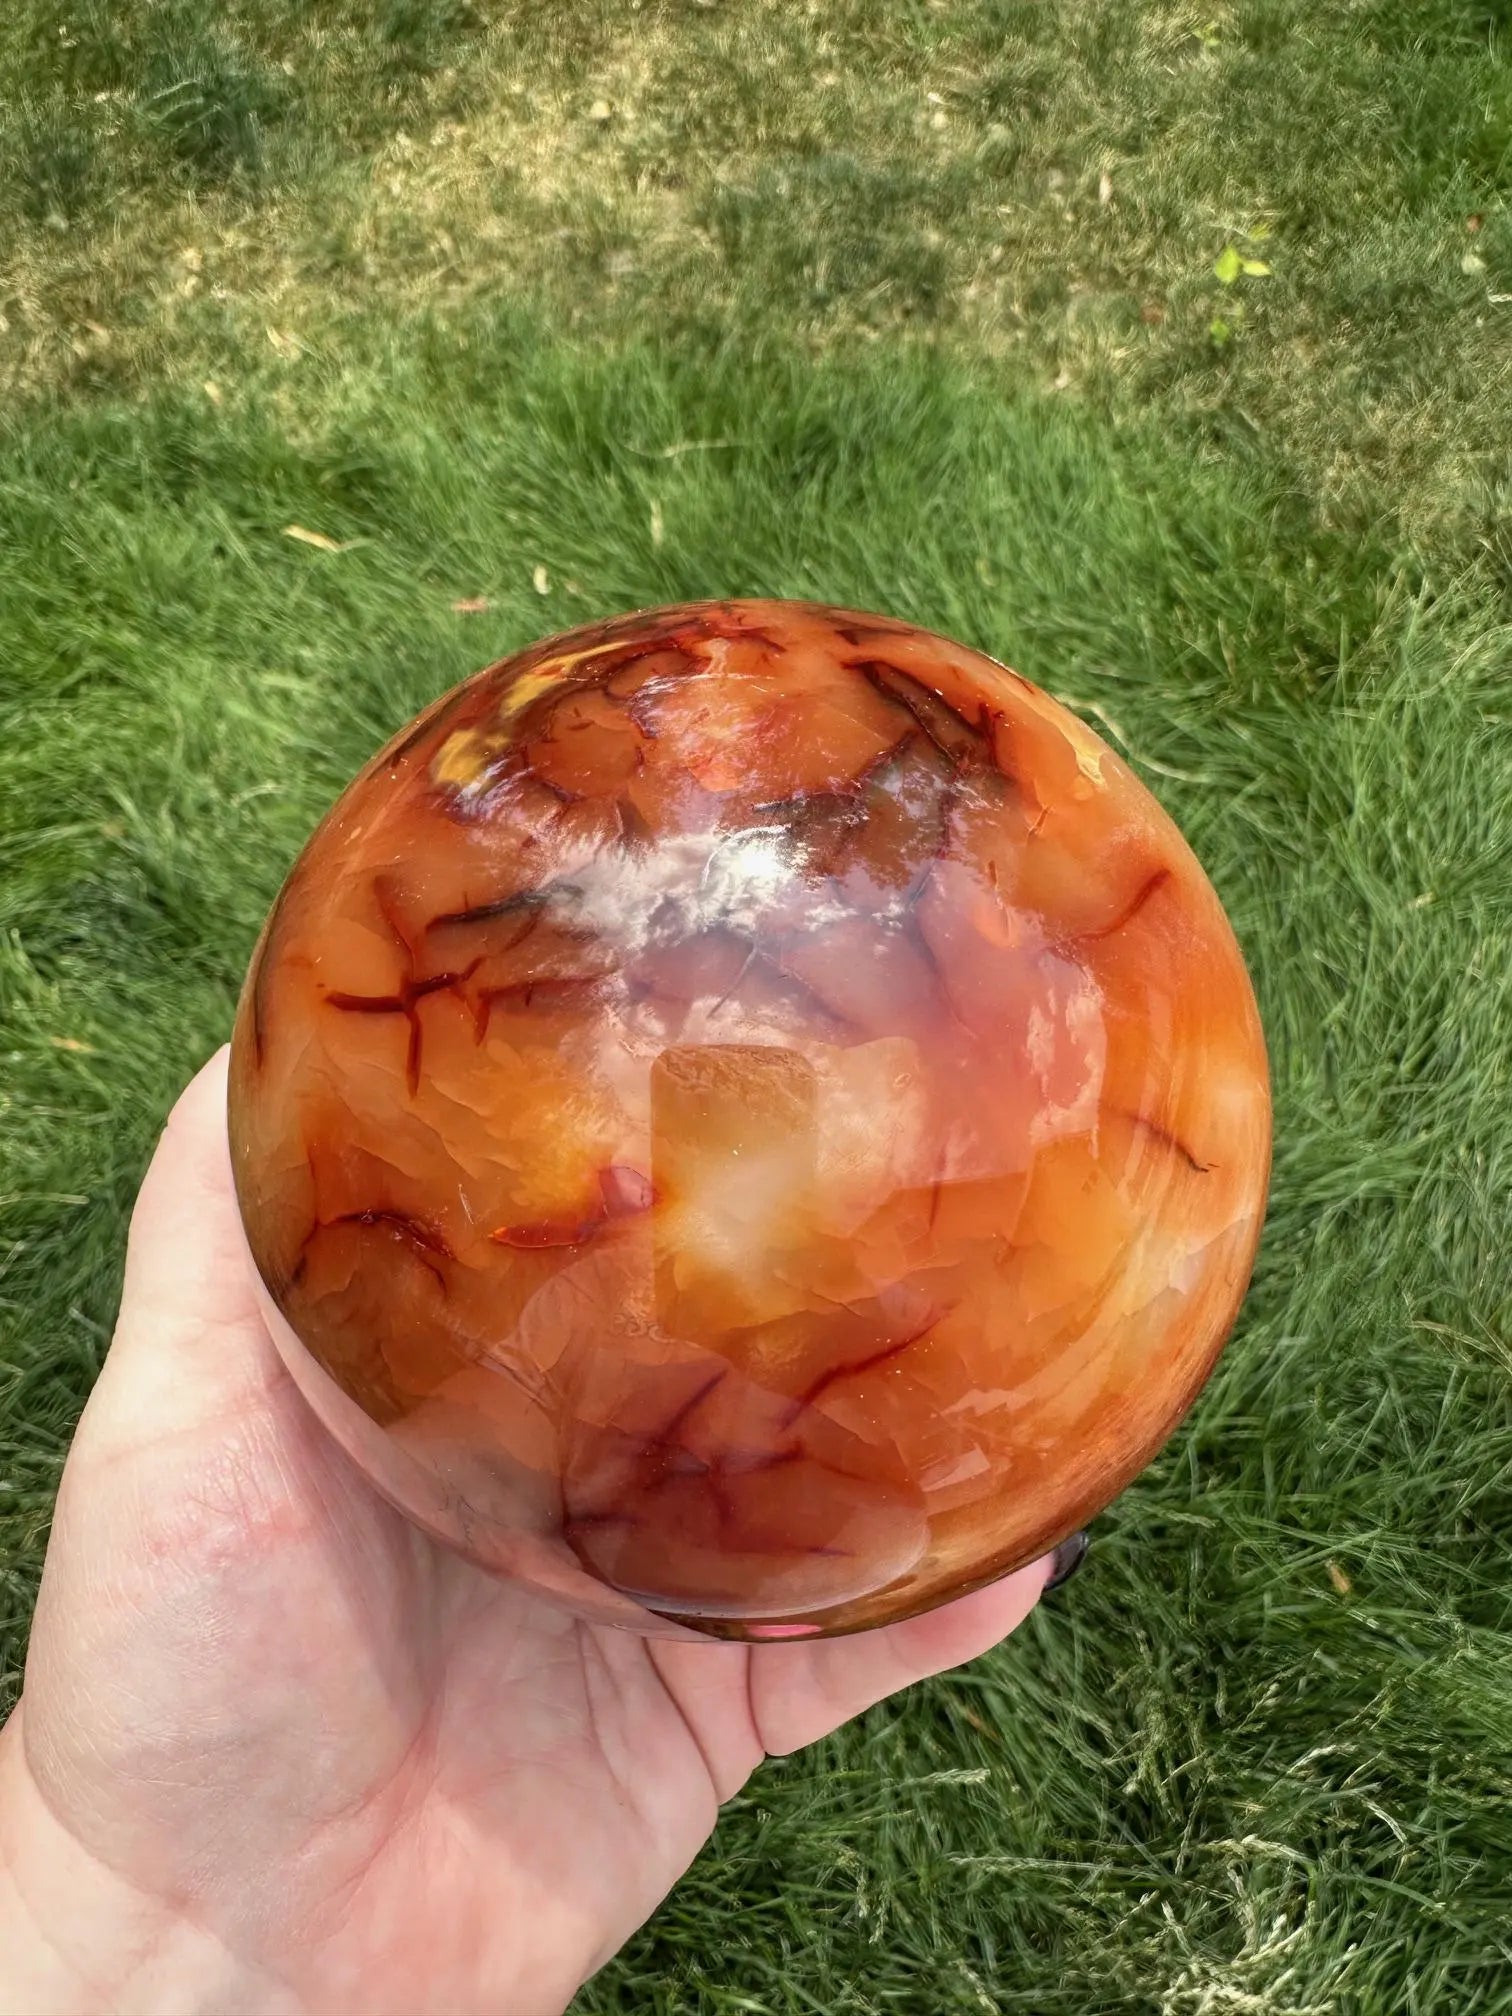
<point>1065,1561</point>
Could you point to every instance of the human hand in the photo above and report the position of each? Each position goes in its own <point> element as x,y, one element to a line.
<point>278,1752</point>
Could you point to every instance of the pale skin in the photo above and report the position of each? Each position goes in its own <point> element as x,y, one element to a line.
<point>277,1752</point>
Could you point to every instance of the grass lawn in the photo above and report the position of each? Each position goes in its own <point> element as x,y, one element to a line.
<point>1163,350</point>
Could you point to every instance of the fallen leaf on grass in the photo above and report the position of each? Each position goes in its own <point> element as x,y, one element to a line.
<point>540,580</point>
<point>72,1043</point>
<point>1231,262</point>
<point>471,605</point>
<point>1339,1579</point>
<point>317,539</point>
<point>685,447</point>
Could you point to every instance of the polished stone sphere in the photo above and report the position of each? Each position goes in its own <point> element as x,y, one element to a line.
<point>749,1118</point>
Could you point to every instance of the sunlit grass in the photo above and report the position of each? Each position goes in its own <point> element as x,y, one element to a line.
<point>1048,187</point>
<point>778,320</point>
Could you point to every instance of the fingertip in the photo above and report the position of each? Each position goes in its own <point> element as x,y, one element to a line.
<point>201,1106</point>
<point>1065,1561</point>
<point>185,1219</point>
<point>192,1141</point>
<point>189,1344</point>
<point>973,1624</point>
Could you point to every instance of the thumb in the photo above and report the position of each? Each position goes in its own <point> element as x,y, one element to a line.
<point>802,1691</point>
<point>189,1343</point>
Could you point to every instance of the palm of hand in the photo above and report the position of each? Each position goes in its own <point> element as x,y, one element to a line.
<point>372,1773</point>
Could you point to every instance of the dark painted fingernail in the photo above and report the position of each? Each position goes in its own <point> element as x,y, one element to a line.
<point>1065,1561</point>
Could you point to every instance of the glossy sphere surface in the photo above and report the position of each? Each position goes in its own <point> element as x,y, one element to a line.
<point>749,1117</point>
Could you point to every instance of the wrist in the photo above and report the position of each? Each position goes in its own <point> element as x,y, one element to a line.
<point>79,1940</point>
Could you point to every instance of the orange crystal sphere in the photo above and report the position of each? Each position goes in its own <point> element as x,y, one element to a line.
<point>749,1117</point>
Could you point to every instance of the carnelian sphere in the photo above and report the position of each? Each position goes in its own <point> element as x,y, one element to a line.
<point>749,1118</point>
